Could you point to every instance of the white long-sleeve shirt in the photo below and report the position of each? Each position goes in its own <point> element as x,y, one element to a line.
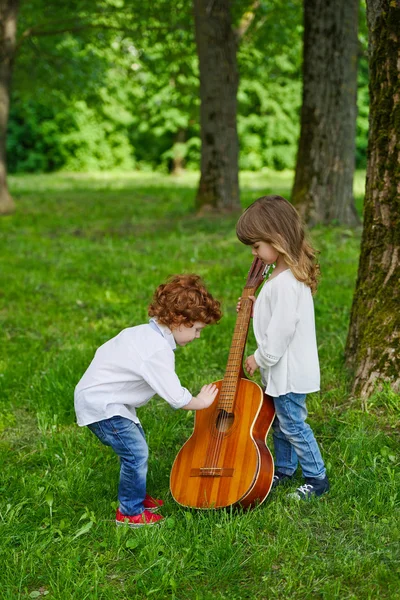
<point>126,372</point>
<point>284,328</point>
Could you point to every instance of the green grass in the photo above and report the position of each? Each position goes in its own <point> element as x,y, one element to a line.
<point>80,260</point>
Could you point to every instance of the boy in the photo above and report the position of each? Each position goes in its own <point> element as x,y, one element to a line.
<point>128,370</point>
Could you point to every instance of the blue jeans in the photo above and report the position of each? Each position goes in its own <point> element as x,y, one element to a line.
<point>294,441</point>
<point>127,439</point>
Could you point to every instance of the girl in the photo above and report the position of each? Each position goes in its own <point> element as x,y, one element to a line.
<point>128,370</point>
<point>284,329</point>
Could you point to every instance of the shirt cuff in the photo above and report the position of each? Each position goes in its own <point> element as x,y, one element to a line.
<point>265,360</point>
<point>185,400</point>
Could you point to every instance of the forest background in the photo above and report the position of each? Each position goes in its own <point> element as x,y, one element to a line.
<point>86,100</point>
<point>103,154</point>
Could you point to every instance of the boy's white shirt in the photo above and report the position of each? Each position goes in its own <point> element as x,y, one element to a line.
<point>284,328</point>
<point>126,372</point>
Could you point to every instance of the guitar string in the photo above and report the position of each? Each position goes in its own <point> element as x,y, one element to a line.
<point>215,445</point>
<point>241,329</point>
<point>234,364</point>
<point>226,390</point>
<point>213,450</point>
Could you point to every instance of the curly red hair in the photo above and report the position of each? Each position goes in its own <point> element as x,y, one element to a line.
<point>183,300</point>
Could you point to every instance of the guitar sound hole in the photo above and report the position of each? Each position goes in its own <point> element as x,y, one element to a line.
<point>224,421</point>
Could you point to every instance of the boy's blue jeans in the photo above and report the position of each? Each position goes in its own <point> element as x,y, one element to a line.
<point>127,439</point>
<point>294,441</point>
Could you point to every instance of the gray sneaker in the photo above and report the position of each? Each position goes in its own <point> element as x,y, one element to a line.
<point>311,488</point>
<point>280,478</point>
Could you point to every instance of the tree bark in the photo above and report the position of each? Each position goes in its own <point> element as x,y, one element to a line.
<point>216,47</point>
<point>8,31</point>
<point>372,349</point>
<point>323,186</point>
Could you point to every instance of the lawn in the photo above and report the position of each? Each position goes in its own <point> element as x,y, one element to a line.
<point>80,260</point>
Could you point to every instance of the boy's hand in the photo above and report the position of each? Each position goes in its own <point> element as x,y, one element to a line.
<point>251,365</point>
<point>239,303</point>
<point>204,398</point>
<point>207,394</point>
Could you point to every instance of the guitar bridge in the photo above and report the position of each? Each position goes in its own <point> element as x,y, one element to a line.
<point>211,472</point>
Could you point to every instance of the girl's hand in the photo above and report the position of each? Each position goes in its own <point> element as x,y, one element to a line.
<point>239,303</point>
<point>251,365</point>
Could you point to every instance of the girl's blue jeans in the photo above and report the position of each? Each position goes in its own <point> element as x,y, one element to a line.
<point>294,441</point>
<point>127,439</point>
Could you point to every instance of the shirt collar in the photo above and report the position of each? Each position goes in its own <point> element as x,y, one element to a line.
<point>164,331</point>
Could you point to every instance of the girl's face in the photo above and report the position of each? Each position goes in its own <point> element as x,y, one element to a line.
<point>184,335</point>
<point>265,252</point>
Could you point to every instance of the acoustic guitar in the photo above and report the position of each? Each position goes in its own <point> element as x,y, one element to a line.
<point>226,460</point>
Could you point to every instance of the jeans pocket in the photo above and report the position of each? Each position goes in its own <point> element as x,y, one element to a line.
<point>297,398</point>
<point>120,425</point>
<point>97,429</point>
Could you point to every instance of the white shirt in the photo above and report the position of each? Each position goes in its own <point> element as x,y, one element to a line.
<point>284,328</point>
<point>126,372</point>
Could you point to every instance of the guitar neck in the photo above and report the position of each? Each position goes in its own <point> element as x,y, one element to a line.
<point>234,368</point>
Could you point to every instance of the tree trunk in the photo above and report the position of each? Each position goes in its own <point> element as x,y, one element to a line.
<point>216,47</point>
<point>323,186</point>
<point>373,349</point>
<point>8,31</point>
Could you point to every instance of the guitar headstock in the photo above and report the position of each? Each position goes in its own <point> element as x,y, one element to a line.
<point>256,274</point>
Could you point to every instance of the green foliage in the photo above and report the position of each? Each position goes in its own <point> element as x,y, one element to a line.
<point>81,259</point>
<point>33,142</point>
<point>91,98</point>
<point>268,135</point>
<point>270,87</point>
<point>78,138</point>
<point>91,142</point>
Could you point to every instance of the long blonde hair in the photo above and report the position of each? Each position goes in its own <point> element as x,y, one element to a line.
<point>274,220</point>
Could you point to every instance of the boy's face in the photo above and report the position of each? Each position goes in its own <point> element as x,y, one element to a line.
<point>184,335</point>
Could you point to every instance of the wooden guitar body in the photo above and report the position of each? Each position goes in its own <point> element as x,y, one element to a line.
<point>226,460</point>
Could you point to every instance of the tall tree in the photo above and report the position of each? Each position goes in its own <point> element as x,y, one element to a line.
<point>217,46</point>
<point>373,344</point>
<point>323,186</point>
<point>8,33</point>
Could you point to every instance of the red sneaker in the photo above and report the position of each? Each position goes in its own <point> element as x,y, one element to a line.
<point>152,504</point>
<point>145,518</point>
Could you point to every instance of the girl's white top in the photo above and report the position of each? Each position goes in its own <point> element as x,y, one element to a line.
<point>126,372</point>
<point>284,327</point>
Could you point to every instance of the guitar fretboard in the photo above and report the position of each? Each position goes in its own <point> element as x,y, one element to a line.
<point>235,359</point>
